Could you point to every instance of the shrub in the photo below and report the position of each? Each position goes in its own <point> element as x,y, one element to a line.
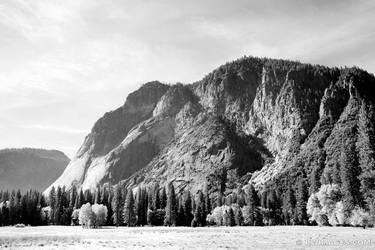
<point>226,216</point>
<point>155,217</point>
<point>45,214</point>
<point>322,206</point>
<point>75,217</point>
<point>100,212</point>
<point>360,218</point>
<point>86,216</point>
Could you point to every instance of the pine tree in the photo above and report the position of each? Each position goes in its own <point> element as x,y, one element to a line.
<point>97,199</point>
<point>181,220</point>
<point>141,212</point>
<point>219,199</point>
<point>366,152</point>
<point>59,206</point>
<point>241,197</point>
<point>80,199</point>
<point>349,172</point>
<point>73,197</point>
<point>264,199</point>
<point>129,216</point>
<point>52,198</point>
<point>273,205</point>
<point>207,201</point>
<point>163,198</point>
<point>18,206</point>
<point>88,196</point>
<point>289,203</point>
<point>116,206</point>
<point>238,217</point>
<point>109,206</point>
<point>231,219</point>
<point>200,213</point>
<point>252,202</point>
<point>171,207</point>
<point>150,199</point>
<point>187,206</point>
<point>301,201</point>
<point>156,197</point>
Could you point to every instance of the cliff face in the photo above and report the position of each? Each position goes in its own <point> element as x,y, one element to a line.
<point>28,168</point>
<point>250,120</point>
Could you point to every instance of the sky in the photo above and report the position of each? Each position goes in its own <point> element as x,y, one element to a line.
<point>63,64</point>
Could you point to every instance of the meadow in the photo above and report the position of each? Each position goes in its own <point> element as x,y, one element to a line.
<point>274,237</point>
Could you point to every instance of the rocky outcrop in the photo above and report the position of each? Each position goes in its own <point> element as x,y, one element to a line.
<point>249,120</point>
<point>29,168</point>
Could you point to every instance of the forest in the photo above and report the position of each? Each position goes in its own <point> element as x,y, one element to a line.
<point>162,206</point>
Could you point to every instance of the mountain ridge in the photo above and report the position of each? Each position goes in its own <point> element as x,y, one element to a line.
<point>30,168</point>
<point>264,111</point>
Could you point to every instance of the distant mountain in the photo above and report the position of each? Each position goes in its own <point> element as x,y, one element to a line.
<point>29,168</point>
<point>264,121</point>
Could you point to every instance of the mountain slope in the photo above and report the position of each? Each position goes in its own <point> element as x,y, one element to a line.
<point>253,119</point>
<point>30,168</point>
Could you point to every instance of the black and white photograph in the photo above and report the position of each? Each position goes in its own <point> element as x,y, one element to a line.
<point>170,124</point>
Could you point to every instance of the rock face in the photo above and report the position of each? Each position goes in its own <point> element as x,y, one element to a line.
<point>30,168</point>
<point>249,120</point>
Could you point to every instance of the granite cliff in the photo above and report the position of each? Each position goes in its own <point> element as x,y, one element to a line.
<point>251,120</point>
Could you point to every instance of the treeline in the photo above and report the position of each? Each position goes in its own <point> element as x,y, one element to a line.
<point>21,208</point>
<point>158,206</point>
<point>149,206</point>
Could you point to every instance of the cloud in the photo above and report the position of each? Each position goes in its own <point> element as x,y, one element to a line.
<point>68,62</point>
<point>58,129</point>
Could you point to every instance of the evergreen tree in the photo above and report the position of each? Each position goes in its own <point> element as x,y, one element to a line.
<point>317,172</point>
<point>150,199</point>
<point>187,207</point>
<point>109,206</point>
<point>163,198</point>
<point>97,199</point>
<point>273,205</point>
<point>52,203</point>
<point>252,201</point>
<point>171,207</point>
<point>129,216</point>
<point>289,203</point>
<point>241,197</point>
<point>141,212</point>
<point>207,201</point>
<point>12,208</point>
<point>156,197</point>
<point>181,220</point>
<point>59,207</point>
<point>80,200</point>
<point>350,185</point>
<point>301,201</point>
<point>219,199</point>
<point>238,217</point>
<point>231,219</point>
<point>116,206</point>
<point>264,199</point>
<point>73,197</point>
<point>88,196</point>
<point>366,152</point>
<point>18,206</point>
<point>200,213</point>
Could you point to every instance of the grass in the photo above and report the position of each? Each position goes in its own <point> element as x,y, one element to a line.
<point>278,237</point>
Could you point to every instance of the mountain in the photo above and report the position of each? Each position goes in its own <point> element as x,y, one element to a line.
<point>254,120</point>
<point>29,168</point>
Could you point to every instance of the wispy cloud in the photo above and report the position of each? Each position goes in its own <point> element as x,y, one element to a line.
<point>58,129</point>
<point>68,62</point>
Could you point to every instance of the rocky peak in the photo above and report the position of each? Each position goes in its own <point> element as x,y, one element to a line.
<point>251,119</point>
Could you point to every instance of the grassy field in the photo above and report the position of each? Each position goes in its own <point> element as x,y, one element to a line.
<point>278,237</point>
